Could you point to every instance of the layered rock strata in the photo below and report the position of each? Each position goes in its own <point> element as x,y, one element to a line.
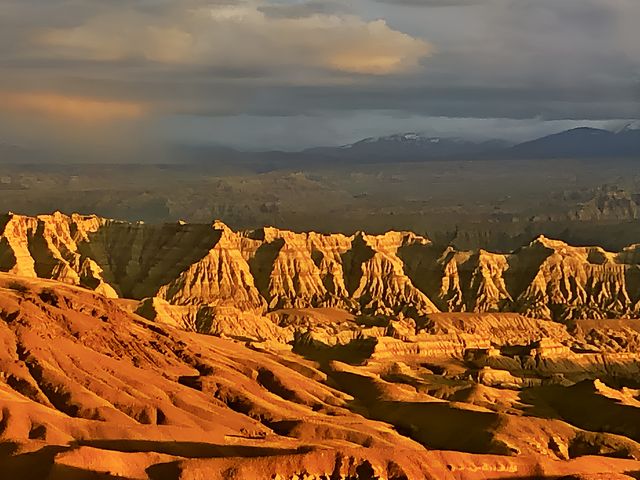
<point>210,271</point>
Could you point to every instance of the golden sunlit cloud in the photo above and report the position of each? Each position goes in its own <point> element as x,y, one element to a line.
<point>354,62</point>
<point>373,48</point>
<point>76,108</point>
<point>202,36</point>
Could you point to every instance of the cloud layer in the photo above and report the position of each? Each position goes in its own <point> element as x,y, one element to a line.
<point>236,36</point>
<point>72,108</point>
<point>193,63</point>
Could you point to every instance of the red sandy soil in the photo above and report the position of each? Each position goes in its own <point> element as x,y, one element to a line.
<point>89,390</point>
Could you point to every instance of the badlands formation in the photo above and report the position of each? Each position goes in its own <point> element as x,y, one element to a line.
<point>184,351</point>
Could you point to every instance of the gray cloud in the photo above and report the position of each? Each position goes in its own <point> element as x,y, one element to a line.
<point>324,61</point>
<point>340,129</point>
<point>305,9</point>
<point>432,3</point>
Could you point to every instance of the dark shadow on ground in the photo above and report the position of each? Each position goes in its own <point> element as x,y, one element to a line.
<point>189,449</point>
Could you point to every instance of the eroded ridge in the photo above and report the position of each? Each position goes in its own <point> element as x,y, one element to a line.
<point>210,271</point>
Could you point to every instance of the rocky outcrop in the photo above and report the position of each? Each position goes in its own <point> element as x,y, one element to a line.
<point>260,271</point>
<point>48,246</point>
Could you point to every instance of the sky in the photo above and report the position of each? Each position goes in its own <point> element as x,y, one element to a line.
<point>127,75</point>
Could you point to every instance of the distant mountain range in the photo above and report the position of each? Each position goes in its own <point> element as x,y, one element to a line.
<point>577,143</point>
<point>581,143</point>
<point>409,147</point>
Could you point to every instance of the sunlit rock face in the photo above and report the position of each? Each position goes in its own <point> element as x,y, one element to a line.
<point>397,273</point>
<point>49,246</point>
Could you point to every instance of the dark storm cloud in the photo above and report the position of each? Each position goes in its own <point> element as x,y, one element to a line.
<point>477,102</point>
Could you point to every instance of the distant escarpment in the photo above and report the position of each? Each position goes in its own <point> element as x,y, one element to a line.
<point>194,274</point>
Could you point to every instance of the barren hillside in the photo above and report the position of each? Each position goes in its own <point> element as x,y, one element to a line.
<point>325,356</point>
<point>90,390</point>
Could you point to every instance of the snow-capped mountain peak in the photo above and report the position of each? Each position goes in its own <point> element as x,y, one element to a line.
<point>630,127</point>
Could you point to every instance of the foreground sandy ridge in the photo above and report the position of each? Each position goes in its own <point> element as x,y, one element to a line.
<point>88,387</point>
